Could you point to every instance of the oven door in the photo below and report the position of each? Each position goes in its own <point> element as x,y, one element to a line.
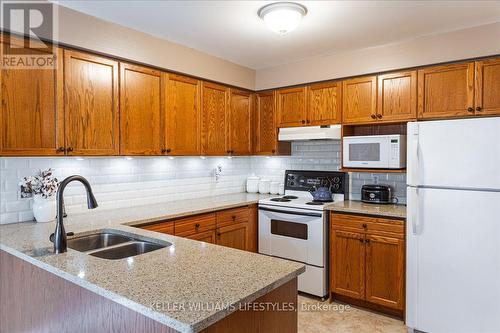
<point>365,152</point>
<point>292,233</point>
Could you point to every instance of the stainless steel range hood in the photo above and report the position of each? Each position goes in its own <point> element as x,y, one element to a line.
<point>331,132</point>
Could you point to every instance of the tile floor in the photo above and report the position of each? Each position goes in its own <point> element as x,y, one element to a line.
<point>318,317</point>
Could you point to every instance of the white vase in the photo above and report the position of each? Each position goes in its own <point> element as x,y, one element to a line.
<point>44,209</point>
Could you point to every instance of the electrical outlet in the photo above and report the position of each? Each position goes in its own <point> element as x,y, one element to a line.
<point>375,178</point>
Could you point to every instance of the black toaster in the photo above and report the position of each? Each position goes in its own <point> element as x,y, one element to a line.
<point>379,194</point>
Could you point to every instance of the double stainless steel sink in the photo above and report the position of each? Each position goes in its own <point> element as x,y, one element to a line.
<point>109,245</point>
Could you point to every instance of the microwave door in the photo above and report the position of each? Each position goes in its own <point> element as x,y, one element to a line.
<point>366,153</point>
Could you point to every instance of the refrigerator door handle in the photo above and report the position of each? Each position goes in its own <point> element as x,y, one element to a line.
<point>414,214</point>
<point>413,154</point>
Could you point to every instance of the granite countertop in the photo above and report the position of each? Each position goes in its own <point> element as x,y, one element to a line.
<point>358,207</point>
<point>158,284</point>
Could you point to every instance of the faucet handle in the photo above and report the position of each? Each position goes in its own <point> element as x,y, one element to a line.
<point>51,237</point>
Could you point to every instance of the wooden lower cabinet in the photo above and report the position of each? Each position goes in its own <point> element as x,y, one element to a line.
<point>235,227</point>
<point>348,266</point>
<point>207,237</point>
<point>235,236</point>
<point>385,260</point>
<point>367,261</point>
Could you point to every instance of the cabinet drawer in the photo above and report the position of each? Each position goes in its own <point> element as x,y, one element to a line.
<point>366,223</point>
<point>231,216</point>
<point>163,227</point>
<point>194,224</point>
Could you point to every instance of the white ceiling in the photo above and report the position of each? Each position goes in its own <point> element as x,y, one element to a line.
<point>232,30</point>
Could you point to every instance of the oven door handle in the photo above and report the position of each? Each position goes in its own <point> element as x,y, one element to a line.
<point>290,212</point>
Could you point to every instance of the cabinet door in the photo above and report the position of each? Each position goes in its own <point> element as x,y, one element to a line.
<point>324,103</point>
<point>207,237</point>
<point>397,96</point>
<point>360,100</point>
<point>91,104</point>
<point>446,91</point>
<point>267,135</point>
<point>348,263</point>
<point>385,273</point>
<point>162,227</point>
<point>214,109</point>
<point>182,115</point>
<point>141,110</point>
<point>235,236</point>
<point>487,87</point>
<point>291,107</point>
<point>239,123</point>
<point>31,111</point>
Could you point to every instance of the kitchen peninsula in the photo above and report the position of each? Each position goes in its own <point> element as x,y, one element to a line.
<point>189,286</point>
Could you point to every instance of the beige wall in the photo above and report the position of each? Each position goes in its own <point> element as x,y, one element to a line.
<point>468,43</point>
<point>92,33</point>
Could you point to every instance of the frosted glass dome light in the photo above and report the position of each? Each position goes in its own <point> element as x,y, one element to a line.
<point>282,17</point>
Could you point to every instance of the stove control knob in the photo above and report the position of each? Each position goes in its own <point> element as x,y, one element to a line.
<point>292,183</point>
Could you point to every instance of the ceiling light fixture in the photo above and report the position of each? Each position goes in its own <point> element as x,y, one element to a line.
<point>282,17</point>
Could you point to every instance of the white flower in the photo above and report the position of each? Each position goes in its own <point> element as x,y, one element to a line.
<point>44,183</point>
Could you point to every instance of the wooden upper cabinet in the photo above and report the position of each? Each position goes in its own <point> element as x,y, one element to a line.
<point>291,104</point>
<point>397,96</point>
<point>182,115</point>
<point>265,126</point>
<point>141,110</point>
<point>446,91</point>
<point>91,104</point>
<point>487,87</point>
<point>214,124</point>
<point>239,123</point>
<point>348,263</point>
<point>360,100</point>
<point>324,103</point>
<point>385,271</point>
<point>31,116</point>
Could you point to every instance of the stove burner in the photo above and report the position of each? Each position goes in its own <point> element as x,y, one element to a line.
<point>290,197</point>
<point>317,203</point>
<point>280,199</point>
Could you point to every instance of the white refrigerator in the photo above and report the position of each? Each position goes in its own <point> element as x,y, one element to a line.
<point>453,226</point>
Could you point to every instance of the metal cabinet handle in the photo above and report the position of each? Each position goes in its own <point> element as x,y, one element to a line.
<point>367,240</point>
<point>61,150</point>
<point>379,116</point>
<point>303,121</point>
<point>197,225</point>
<point>470,109</point>
<point>373,116</point>
<point>308,121</point>
<point>479,108</point>
<point>361,240</point>
<point>69,149</point>
<point>365,225</point>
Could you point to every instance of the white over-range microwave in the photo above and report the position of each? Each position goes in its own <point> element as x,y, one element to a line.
<point>375,151</point>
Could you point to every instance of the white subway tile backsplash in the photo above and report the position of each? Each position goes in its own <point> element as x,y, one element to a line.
<point>120,182</point>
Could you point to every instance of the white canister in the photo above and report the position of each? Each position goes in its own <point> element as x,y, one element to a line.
<point>253,184</point>
<point>44,209</point>
<point>264,186</point>
<point>274,188</point>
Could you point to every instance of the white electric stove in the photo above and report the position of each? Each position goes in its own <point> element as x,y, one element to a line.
<point>295,227</point>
